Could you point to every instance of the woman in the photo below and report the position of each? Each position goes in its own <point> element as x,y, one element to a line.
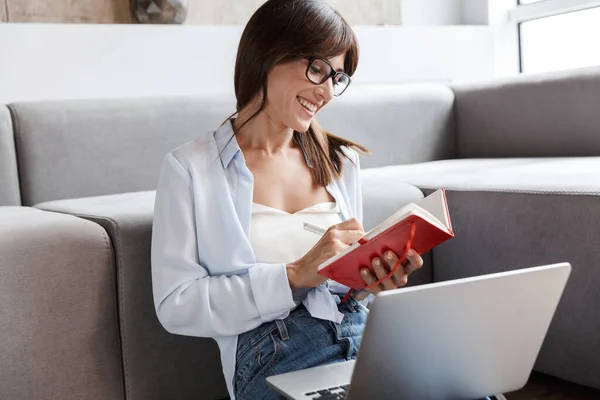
<point>230,257</point>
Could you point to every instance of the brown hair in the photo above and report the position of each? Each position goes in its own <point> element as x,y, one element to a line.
<point>287,30</point>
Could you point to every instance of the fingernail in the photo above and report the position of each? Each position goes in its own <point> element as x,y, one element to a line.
<point>411,253</point>
<point>364,271</point>
<point>377,262</point>
<point>388,255</point>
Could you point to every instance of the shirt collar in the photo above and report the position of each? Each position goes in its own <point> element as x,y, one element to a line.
<point>227,145</point>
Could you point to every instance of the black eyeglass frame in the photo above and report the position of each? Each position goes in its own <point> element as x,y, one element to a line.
<point>333,74</point>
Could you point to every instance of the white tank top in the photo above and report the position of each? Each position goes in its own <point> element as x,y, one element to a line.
<point>277,236</point>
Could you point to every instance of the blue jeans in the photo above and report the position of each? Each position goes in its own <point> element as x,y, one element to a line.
<point>294,343</point>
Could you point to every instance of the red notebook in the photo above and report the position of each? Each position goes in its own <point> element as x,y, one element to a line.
<point>420,226</point>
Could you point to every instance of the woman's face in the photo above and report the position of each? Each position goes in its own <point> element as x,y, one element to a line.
<point>293,100</point>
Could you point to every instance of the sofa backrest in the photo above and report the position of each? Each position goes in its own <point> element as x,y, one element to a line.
<point>543,115</point>
<point>72,148</point>
<point>399,124</point>
<point>9,179</point>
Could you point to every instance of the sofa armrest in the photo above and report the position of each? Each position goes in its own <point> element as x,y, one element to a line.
<point>157,364</point>
<point>58,319</point>
<point>10,194</point>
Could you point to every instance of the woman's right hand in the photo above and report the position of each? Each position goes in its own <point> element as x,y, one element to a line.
<point>303,273</point>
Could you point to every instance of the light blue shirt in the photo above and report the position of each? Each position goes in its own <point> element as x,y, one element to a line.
<point>205,277</point>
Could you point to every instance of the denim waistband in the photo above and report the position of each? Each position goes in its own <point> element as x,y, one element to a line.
<point>350,306</point>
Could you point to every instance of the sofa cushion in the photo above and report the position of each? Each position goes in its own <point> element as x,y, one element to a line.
<point>517,213</point>
<point>58,313</point>
<point>157,365</point>
<point>76,148</point>
<point>9,179</point>
<point>545,175</point>
<point>544,115</point>
<point>400,124</point>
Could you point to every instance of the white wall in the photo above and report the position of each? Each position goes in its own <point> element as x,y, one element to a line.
<point>425,53</point>
<point>47,61</point>
<point>444,12</point>
<point>474,12</point>
<point>431,12</point>
<point>506,39</point>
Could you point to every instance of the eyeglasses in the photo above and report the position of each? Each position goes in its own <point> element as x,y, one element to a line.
<point>319,70</point>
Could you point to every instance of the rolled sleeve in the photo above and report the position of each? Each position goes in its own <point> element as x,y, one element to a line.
<point>271,290</point>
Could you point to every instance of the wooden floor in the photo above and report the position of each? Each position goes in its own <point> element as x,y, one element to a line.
<point>548,388</point>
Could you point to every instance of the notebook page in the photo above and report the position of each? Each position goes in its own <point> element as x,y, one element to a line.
<point>435,204</point>
<point>399,215</point>
<point>432,208</point>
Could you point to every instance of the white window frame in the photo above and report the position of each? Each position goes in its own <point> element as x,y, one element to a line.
<point>548,8</point>
<point>505,17</point>
<point>542,9</point>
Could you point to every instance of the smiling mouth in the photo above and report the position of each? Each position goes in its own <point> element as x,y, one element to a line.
<point>312,108</point>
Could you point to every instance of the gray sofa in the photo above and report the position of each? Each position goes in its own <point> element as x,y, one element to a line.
<point>517,157</point>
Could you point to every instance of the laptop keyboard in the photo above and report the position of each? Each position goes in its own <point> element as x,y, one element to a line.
<point>333,393</point>
<point>339,393</point>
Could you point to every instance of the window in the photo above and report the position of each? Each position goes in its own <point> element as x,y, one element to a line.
<point>557,34</point>
<point>561,42</point>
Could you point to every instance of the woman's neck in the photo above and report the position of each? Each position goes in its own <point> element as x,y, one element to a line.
<point>263,133</point>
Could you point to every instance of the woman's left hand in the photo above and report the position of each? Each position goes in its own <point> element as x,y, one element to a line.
<point>382,267</point>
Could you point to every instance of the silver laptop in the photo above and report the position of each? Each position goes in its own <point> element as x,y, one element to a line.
<point>462,339</point>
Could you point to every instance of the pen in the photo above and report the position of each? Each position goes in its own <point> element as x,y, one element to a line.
<point>314,228</point>
<point>320,231</point>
